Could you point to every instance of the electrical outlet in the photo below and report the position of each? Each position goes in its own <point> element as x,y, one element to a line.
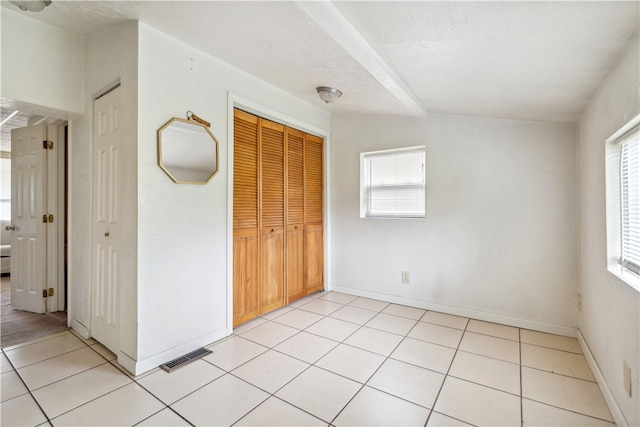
<point>406,279</point>
<point>626,377</point>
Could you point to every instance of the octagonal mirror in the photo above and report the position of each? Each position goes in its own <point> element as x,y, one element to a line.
<point>187,151</point>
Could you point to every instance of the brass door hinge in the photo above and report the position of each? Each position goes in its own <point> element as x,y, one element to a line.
<point>44,293</point>
<point>47,292</point>
<point>47,145</point>
<point>47,218</point>
<point>51,291</point>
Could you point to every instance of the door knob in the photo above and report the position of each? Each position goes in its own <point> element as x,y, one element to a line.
<point>10,227</point>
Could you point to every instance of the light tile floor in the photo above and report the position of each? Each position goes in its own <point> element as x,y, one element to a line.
<point>329,359</point>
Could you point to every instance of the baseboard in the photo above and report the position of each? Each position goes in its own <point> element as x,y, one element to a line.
<point>534,325</point>
<point>137,367</point>
<point>80,328</point>
<point>618,417</point>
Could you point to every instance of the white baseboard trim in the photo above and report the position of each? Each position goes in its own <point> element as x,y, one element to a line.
<point>137,367</point>
<point>81,329</point>
<point>534,325</point>
<point>618,417</point>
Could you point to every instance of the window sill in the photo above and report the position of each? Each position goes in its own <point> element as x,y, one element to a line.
<point>627,277</point>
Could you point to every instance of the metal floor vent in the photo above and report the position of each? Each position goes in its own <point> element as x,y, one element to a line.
<point>184,360</point>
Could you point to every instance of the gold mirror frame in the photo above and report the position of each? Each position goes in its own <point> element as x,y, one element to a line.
<point>184,152</point>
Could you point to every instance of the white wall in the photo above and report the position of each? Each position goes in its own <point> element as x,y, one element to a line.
<point>110,56</point>
<point>182,229</point>
<point>610,317</point>
<point>499,238</point>
<point>41,64</point>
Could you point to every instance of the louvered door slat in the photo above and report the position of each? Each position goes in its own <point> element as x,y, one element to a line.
<point>245,171</point>
<point>313,180</point>
<point>272,175</point>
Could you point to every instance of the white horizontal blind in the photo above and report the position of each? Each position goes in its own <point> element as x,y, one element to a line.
<point>630,200</point>
<point>395,183</point>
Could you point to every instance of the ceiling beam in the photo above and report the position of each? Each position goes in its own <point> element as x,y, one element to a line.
<point>332,22</point>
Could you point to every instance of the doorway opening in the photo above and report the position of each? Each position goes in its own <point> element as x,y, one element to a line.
<point>17,324</point>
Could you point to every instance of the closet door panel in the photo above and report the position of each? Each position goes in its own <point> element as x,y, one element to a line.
<point>272,208</point>
<point>314,258</point>
<point>295,214</point>
<point>245,277</point>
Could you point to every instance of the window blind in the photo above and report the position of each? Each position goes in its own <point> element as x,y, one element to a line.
<point>630,200</point>
<point>395,183</point>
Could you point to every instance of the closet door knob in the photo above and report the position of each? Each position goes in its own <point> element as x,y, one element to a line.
<point>10,227</point>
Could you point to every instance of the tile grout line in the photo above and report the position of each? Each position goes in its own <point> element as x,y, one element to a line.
<point>447,373</point>
<point>520,371</point>
<point>48,420</point>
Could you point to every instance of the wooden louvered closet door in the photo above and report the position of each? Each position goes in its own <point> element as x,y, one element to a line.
<point>246,281</point>
<point>313,226</point>
<point>272,215</point>
<point>295,215</point>
<point>277,216</point>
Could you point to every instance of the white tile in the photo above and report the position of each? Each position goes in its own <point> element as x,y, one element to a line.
<point>494,329</point>
<point>568,393</point>
<point>478,405</point>
<point>279,312</point>
<point>5,365</point>
<point>487,371</point>
<point>103,351</point>
<point>404,311</point>
<point>123,407</point>
<point>338,297</point>
<point>44,349</point>
<point>374,340</point>
<point>306,346</point>
<point>270,370</point>
<point>371,407</point>
<point>239,330</point>
<point>443,319</point>
<point>11,386</point>
<point>275,412</point>
<point>87,341</point>
<point>550,340</point>
<point>21,411</point>
<point>436,334</point>
<point>539,414</point>
<point>369,304</point>
<point>556,361</point>
<point>221,402</point>
<point>233,352</point>
<point>164,418</point>
<point>436,419</point>
<point>498,348</point>
<point>56,368</point>
<point>319,392</point>
<point>427,355</point>
<point>390,323</point>
<point>270,334</point>
<point>298,319</point>
<point>353,315</point>
<point>303,301</point>
<point>334,329</point>
<point>351,362</point>
<point>72,392</point>
<point>37,340</point>
<point>409,382</point>
<point>320,306</point>
<point>172,386</point>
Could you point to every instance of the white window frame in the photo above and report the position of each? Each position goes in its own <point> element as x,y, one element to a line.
<point>616,233</point>
<point>365,186</point>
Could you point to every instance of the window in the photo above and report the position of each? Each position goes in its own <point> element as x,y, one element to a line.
<point>392,183</point>
<point>623,203</point>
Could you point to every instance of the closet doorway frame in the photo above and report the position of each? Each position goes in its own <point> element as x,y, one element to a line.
<point>258,109</point>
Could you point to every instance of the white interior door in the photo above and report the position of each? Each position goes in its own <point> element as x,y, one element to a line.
<point>28,206</point>
<point>107,193</point>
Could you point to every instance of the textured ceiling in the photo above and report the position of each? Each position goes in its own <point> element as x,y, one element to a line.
<point>518,60</point>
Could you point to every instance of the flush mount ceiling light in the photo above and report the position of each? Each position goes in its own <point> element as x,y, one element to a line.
<point>32,5</point>
<point>328,94</point>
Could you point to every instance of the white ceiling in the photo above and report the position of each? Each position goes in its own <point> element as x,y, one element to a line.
<point>507,59</point>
